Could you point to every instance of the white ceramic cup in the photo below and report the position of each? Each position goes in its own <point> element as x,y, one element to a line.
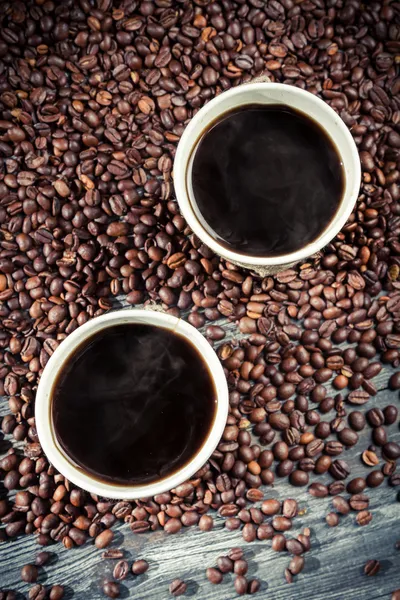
<point>43,411</point>
<point>267,93</point>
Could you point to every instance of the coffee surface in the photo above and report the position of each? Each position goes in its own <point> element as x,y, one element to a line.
<point>133,404</point>
<point>267,180</point>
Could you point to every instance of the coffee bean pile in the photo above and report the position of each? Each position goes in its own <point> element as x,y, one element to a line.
<point>94,96</point>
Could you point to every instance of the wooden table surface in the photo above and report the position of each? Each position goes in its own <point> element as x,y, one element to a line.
<point>333,569</point>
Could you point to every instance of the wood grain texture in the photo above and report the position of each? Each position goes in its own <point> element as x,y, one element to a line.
<point>334,566</point>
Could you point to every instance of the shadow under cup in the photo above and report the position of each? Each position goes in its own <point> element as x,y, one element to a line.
<point>277,95</point>
<point>148,436</point>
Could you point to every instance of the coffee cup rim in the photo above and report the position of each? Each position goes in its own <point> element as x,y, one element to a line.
<point>189,140</point>
<point>77,475</point>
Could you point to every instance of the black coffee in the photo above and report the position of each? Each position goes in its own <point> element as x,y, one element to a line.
<point>267,180</point>
<point>133,404</point>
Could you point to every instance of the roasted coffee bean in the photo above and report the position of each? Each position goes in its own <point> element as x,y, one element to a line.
<point>278,542</point>
<point>370,458</point>
<point>359,502</point>
<point>394,381</point>
<point>104,539</point>
<point>139,567</point>
<point>249,532</point>
<point>177,587</point>
<point>356,485</point>
<point>372,567</point>
<point>341,505</point>
<point>374,479</point>
<point>56,592</point>
<point>206,523</point>
<point>240,584</point>
<point>318,490</point>
<point>296,565</point>
<point>356,420</point>
<point>339,469</point>
<point>391,450</point>
<point>348,437</point>
<point>289,508</point>
<point>253,586</point>
<point>111,589</point>
<point>240,567</point>
<point>390,413</point>
<point>29,573</point>
<point>225,564</point>
<point>332,519</point>
<point>213,575</point>
<point>299,478</point>
<point>42,558</point>
<point>235,554</point>
<point>37,592</point>
<point>364,517</point>
<point>121,570</point>
<point>265,531</point>
<point>271,507</point>
<point>379,436</point>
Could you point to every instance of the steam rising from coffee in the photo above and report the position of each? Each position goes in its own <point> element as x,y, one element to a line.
<point>134,403</point>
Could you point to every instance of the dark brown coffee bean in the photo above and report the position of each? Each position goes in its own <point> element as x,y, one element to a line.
<point>356,420</point>
<point>139,567</point>
<point>299,478</point>
<point>375,417</point>
<point>271,507</point>
<point>348,437</point>
<point>42,558</point>
<point>356,485</point>
<point>372,567</point>
<point>111,589</point>
<point>375,479</point>
<point>56,592</point>
<point>379,436</point>
<point>29,573</point>
<point>339,469</point>
<point>341,505</point>
<point>391,450</point>
<point>206,523</point>
<point>390,413</point>
<point>265,531</point>
<point>281,523</point>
